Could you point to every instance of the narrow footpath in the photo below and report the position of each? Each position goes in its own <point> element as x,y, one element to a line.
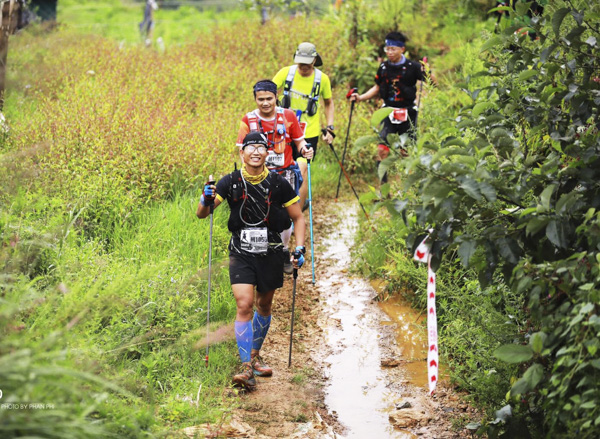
<point>353,374</point>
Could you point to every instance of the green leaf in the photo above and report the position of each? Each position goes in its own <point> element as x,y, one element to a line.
<point>526,74</point>
<point>473,426</point>
<point>384,166</point>
<point>588,405</point>
<point>363,141</point>
<point>513,353</point>
<point>555,231</point>
<point>521,7</point>
<point>546,195</point>
<point>379,115</point>
<point>536,224</point>
<point>566,202</point>
<point>466,250</point>
<point>557,20</point>
<point>487,190</point>
<point>471,187</point>
<point>537,341</point>
<point>531,378</point>
<point>494,41</point>
<point>509,249</point>
<point>481,107</point>
<point>453,142</point>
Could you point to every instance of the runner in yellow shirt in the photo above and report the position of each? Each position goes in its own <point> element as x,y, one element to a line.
<point>303,84</point>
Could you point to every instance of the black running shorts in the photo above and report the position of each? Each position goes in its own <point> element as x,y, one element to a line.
<point>265,272</point>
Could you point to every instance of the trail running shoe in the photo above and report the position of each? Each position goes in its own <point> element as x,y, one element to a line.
<point>288,268</point>
<point>245,378</point>
<point>260,368</point>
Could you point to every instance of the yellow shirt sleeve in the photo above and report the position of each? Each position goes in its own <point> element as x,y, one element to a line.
<point>279,78</point>
<point>293,200</point>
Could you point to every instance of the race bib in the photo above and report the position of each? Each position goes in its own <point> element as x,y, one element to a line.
<point>399,115</point>
<point>255,240</point>
<point>275,160</point>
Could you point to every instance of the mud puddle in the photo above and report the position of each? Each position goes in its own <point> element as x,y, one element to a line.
<point>411,339</point>
<point>357,392</point>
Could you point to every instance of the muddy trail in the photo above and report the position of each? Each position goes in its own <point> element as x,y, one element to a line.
<point>358,366</point>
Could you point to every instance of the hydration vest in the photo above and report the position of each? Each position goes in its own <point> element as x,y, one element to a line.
<point>277,220</point>
<point>313,98</point>
<point>278,135</point>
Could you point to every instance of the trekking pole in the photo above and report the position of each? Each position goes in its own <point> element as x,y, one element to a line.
<point>312,251</point>
<point>352,90</point>
<point>212,208</point>
<point>293,307</point>
<point>347,178</point>
<point>420,93</point>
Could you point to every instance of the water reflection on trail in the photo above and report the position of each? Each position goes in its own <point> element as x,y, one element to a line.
<point>410,338</point>
<point>356,391</point>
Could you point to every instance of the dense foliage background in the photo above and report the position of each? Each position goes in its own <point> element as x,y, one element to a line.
<point>509,186</point>
<point>103,263</point>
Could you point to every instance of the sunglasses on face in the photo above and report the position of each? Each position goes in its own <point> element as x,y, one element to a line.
<point>253,148</point>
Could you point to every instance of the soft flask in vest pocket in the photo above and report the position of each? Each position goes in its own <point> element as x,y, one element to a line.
<point>286,101</point>
<point>311,108</point>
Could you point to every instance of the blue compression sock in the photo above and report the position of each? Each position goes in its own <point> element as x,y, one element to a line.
<point>243,336</point>
<point>260,326</point>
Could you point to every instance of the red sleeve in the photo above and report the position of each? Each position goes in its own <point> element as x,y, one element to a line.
<point>244,129</point>
<point>295,130</point>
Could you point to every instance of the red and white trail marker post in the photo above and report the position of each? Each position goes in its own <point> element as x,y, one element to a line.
<point>422,254</point>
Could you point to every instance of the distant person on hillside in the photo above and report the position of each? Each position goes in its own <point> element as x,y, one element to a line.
<point>261,205</point>
<point>284,136</point>
<point>147,25</point>
<point>303,85</point>
<point>396,84</point>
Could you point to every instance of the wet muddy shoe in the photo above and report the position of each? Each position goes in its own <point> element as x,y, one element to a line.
<point>260,368</point>
<point>288,268</point>
<point>245,378</point>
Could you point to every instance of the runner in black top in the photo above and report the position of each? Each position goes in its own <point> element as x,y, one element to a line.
<point>261,204</point>
<point>395,83</point>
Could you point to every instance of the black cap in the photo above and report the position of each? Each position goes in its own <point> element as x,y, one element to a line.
<point>255,138</point>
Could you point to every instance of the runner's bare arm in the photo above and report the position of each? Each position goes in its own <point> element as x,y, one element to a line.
<point>329,110</point>
<point>302,148</point>
<point>295,213</point>
<point>371,93</point>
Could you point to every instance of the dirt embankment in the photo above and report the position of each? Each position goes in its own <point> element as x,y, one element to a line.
<point>293,402</point>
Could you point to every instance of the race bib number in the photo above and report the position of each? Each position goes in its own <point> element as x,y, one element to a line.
<point>399,115</point>
<point>275,160</point>
<point>255,240</point>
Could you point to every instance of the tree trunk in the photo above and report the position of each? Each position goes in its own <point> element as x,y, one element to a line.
<point>9,8</point>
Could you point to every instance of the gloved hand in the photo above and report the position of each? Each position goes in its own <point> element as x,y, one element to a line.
<point>208,194</point>
<point>299,256</point>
